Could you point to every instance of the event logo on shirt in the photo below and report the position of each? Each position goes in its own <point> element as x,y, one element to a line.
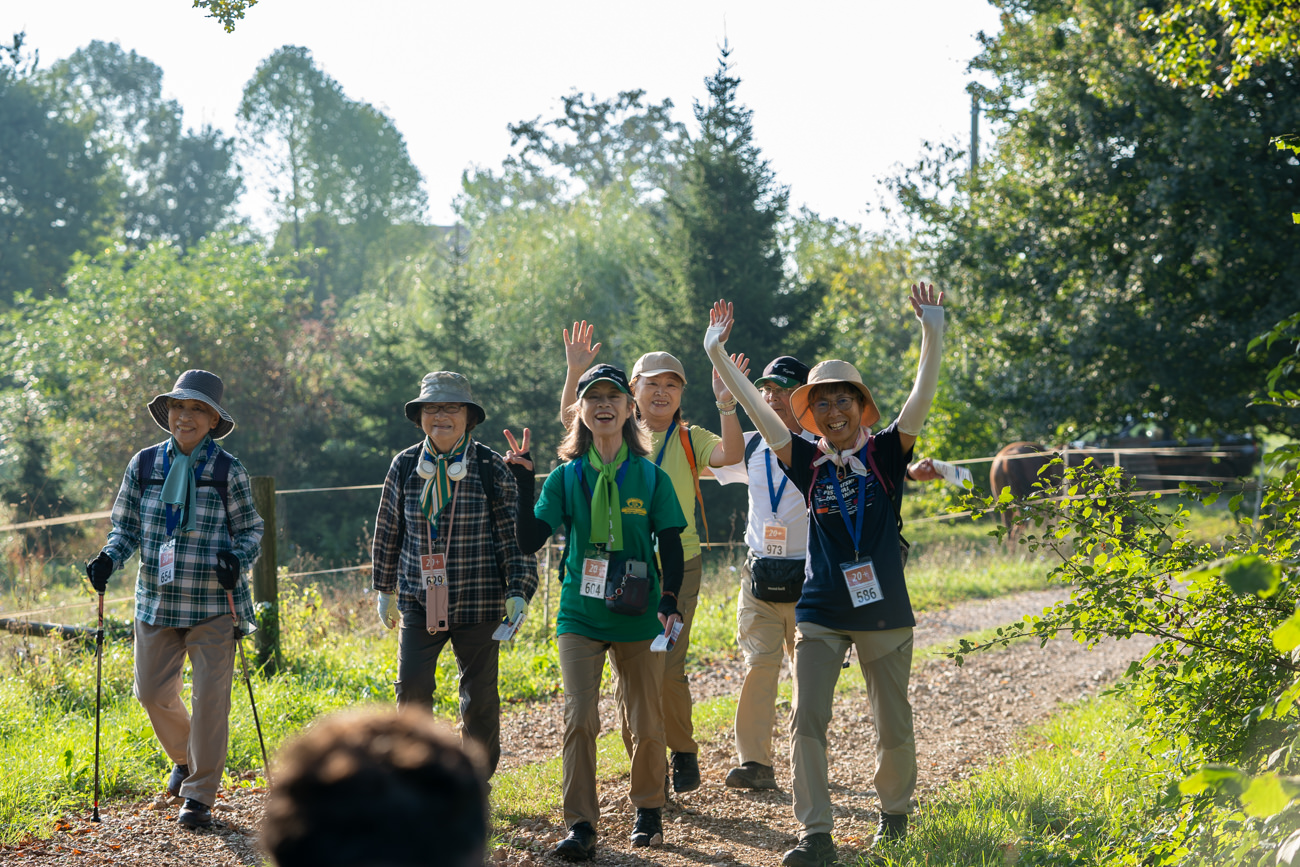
<point>824,495</point>
<point>634,506</point>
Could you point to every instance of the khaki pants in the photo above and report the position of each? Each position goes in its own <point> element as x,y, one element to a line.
<point>679,731</point>
<point>765,633</point>
<point>199,741</point>
<point>640,672</point>
<point>886,660</point>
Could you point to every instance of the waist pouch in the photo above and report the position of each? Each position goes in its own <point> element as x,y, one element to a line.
<point>773,580</point>
<point>904,547</point>
<point>627,587</point>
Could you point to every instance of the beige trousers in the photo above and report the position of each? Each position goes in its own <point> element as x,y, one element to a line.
<point>764,633</point>
<point>199,741</point>
<point>886,661</point>
<point>679,731</point>
<point>640,673</point>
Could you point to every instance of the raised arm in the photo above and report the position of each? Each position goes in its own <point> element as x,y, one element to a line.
<point>769,424</point>
<point>928,305</point>
<point>732,447</point>
<point>578,356</point>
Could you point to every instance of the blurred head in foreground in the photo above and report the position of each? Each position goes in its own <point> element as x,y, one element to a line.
<point>369,789</point>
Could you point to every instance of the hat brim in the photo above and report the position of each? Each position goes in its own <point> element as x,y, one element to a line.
<point>158,409</point>
<point>776,379</point>
<point>413,409</point>
<point>803,410</point>
<point>615,383</point>
<point>659,372</point>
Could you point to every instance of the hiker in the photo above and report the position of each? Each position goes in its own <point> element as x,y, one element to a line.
<point>446,557</point>
<point>186,505</point>
<point>681,450</point>
<point>854,591</point>
<point>615,506</point>
<point>353,787</point>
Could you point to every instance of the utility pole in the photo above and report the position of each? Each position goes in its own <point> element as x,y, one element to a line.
<point>974,132</point>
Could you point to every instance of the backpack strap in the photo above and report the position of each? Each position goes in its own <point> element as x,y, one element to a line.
<point>688,447</point>
<point>884,483</point>
<point>487,474</point>
<point>752,446</point>
<point>220,480</point>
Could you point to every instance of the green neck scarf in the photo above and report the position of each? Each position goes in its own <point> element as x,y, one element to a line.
<point>179,489</point>
<point>606,503</point>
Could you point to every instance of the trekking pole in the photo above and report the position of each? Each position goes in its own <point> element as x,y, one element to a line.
<point>99,679</point>
<point>266,766</point>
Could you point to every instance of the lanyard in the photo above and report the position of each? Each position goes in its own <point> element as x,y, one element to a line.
<point>581,469</point>
<point>451,519</point>
<point>855,529</point>
<point>174,519</point>
<point>773,493</point>
<point>452,459</point>
<point>667,438</point>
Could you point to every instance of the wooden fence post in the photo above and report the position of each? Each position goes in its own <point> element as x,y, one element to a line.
<point>266,588</point>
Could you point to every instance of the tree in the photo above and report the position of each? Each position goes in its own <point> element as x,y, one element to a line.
<point>1219,45</point>
<point>176,184</point>
<point>56,198</point>
<point>226,11</point>
<point>1121,246</point>
<point>722,240</point>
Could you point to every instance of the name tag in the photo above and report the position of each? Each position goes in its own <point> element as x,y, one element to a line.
<point>433,569</point>
<point>167,562</point>
<point>774,537</point>
<point>864,586</point>
<point>594,570</point>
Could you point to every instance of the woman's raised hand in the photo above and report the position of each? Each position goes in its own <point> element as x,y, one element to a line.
<point>925,296</point>
<point>578,351</point>
<point>720,390</point>
<point>721,318</point>
<point>519,448</point>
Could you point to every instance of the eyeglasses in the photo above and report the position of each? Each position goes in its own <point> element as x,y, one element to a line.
<point>843,404</point>
<point>775,391</point>
<point>442,408</point>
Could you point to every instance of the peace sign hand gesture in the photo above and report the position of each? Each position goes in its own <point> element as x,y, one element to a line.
<point>518,451</point>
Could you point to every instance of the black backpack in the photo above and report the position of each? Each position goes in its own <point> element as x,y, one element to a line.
<point>220,476</point>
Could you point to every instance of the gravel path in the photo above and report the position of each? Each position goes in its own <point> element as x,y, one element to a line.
<point>964,717</point>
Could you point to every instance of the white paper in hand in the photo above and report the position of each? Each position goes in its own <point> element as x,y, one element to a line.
<point>665,642</point>
<point>508,628</point>
<point>952,474</point>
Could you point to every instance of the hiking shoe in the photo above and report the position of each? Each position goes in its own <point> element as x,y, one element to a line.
<point>751,775</point>
<point>179,773</point>
<point>686,772</point>
<point>649,827</point>
<point>814,850</point>
<point>580,845</point>
<point>892,827</point>
<point>195,814</point>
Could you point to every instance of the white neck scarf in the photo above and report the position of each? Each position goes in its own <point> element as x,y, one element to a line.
<point>843,459</point>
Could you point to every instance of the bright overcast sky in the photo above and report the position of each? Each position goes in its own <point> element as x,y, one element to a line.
<point>842,92</point>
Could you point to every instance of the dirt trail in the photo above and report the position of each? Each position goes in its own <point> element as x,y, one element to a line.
<point>964,718</point>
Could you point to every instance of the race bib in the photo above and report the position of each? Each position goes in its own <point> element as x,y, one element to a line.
<point>167,563</point>
<point>774,536</point>
<point>433,569</point>
<point>864,586</point>
<point>594,570</point>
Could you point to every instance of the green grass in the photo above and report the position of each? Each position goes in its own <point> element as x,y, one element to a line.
<point>338,656</point>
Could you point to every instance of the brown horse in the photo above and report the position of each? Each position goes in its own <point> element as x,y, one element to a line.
<point>1020,474</point>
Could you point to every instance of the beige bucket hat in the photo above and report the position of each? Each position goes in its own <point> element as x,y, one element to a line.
<point>653,363</point>
<point>827,372</point>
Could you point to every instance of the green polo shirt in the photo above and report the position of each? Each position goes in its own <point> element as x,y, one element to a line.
<point>672,460</point>
<point>564,502</point>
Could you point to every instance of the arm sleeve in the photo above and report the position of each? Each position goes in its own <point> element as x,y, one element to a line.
<point>124,538</point>
<point>520,570</point>
<point>533,529</point>
<point>671,559</point>
<point>769,424</point>
<point>246,525</point>
<point>918,402</point>
<point>390,529</point>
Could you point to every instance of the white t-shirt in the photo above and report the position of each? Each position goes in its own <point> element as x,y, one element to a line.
<point>791,509</point>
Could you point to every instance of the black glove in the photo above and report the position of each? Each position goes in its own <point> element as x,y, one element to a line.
<point>98,570</point>
<point>668,606</point>
<point>227,569</point>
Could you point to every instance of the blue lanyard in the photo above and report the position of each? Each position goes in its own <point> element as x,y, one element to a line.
<point>581,469</point>
<point>855,530</point>
<point>174,519</point>
<point>667,438</point>
<point>774,493</point>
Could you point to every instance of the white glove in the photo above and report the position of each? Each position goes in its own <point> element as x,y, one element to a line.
<point>515,607</point>
<point>388,613</point>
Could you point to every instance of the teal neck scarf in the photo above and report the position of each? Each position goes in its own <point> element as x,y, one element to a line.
<point>179,489</point>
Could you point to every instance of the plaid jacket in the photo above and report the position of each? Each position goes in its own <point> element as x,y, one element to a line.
<point>140,523</point>
<point>485,563</point>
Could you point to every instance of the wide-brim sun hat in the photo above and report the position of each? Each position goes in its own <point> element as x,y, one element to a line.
<point>654,363</point>
<point>443,386</point>
<point>201,385</point>
<point>832,371</point>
